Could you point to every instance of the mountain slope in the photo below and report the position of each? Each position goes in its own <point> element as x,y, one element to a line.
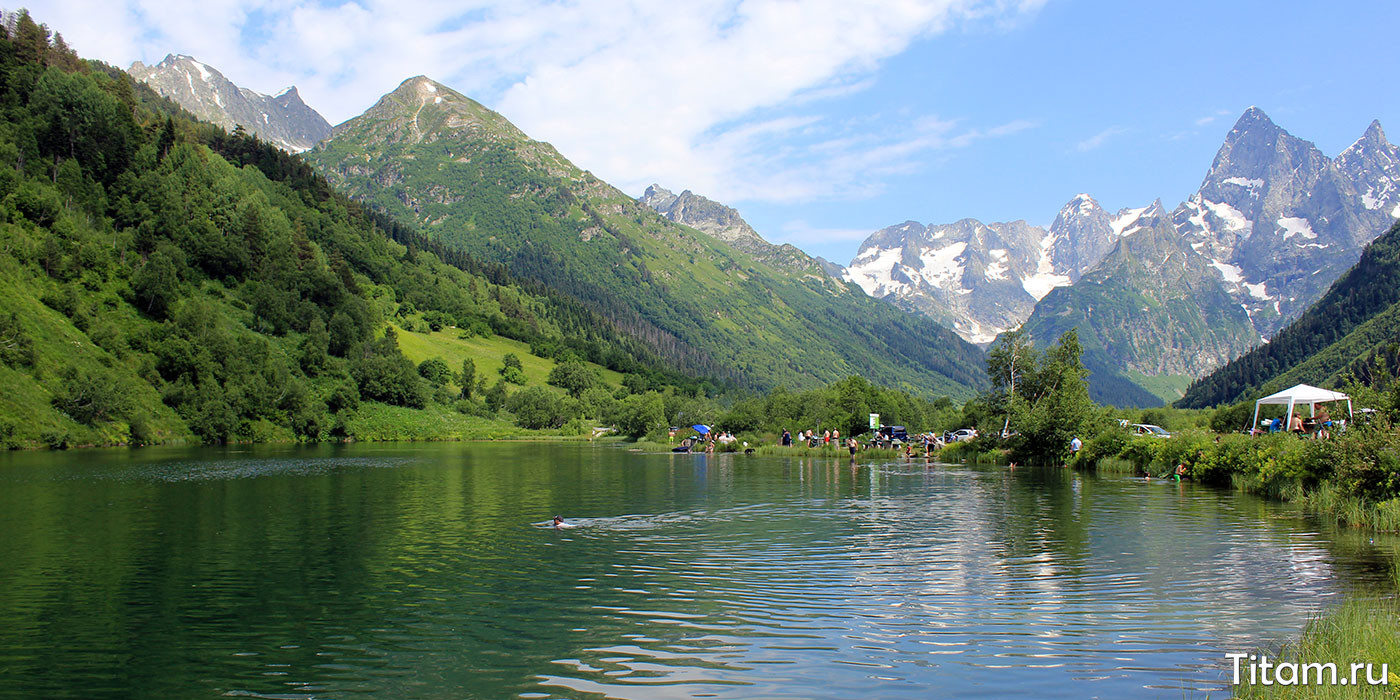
<point>983,279</point>
<point>163,280</point>
<point>1152,306</point>
<point>281,119</point>
<point>477,183</point>
<point>1355,317</point>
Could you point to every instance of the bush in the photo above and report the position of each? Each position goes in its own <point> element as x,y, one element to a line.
<point>1141,451</point>
<point>495,397</point>
<point>537,408</point>
<point>1108,443</point>
<point>91,396</point>
<point>514,375</point>
<point>1186,447</point>
<point>640,414</point>
<point>56,439</point>
<point>1366,463</point>
<point>1233,418</point>
<point>384,374</point>
<point>435,371</point>
<point>573,376</point>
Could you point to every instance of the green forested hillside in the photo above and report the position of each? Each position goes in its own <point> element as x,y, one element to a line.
<point>476,183</point>
<point>163,280</point>
<point>1354,319</point>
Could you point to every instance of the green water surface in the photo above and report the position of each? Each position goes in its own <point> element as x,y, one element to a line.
<point>422,571</point>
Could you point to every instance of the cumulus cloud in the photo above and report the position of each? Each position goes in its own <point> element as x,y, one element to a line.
<point>708,94</point>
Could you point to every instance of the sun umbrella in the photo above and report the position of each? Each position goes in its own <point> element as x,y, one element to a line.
<point>702,429</point>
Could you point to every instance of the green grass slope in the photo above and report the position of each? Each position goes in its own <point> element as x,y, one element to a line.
<point>474,182</point>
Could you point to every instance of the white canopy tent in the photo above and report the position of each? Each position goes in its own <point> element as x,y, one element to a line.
<point>1301,394</point>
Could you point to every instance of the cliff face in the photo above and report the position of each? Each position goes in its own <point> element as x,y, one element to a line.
<point>281,119</point>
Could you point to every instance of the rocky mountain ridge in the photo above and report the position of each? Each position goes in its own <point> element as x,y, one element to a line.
<point>982,279</point>
<point>282,119</point>
<point>727,225</point>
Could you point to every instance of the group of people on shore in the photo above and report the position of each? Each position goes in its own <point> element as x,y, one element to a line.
<point>826,439</point>
<point>1319,425</point>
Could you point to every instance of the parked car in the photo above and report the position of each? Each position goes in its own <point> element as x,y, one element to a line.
<point>1148,430</point>
<point>962,435</point>
<point>894,433</point>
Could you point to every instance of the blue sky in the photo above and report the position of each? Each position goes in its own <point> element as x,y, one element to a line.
<point>821,120</point>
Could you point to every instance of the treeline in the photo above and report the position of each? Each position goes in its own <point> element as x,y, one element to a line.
<point>1368,289</point>
<point>164,279</point>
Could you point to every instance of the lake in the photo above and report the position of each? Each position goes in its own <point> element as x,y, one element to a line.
<point>421,571</point>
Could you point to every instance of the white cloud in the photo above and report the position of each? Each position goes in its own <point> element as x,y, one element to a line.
<point>1209,118</point>
<point>707,94</point>
<point>1097,140</point>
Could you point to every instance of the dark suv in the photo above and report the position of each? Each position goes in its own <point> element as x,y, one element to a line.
<point>892,433</point>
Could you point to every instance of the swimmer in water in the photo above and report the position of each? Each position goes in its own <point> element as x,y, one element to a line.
<point>559,521</point>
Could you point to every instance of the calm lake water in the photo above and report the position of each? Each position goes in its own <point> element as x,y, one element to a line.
<point>418,571</point>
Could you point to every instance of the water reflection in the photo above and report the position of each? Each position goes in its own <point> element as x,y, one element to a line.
<point>417,572</point>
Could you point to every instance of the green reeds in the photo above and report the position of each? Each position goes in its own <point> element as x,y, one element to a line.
<point>1361,630</point>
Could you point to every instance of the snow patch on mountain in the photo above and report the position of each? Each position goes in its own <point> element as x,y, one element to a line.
<point>997,269</point>
<point>1234,220</point>
<point>1296,226</point>
<point>943,268</point>
<point>1231,273</point>
<point>1124,219</point>
<point>874,272</point>
<point>1259,291</point>
<point>1246,182</point>
<point>1044,280</point>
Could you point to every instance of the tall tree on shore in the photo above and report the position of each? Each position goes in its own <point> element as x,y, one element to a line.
<point>1045,397</point>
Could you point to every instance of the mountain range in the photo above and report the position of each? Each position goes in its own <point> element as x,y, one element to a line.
<point>984,279</point>
<point>1275,222</point>
<point>282,119</point>
<point>723,303</point>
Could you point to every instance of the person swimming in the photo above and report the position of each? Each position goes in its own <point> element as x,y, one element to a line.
<point>560,524</point>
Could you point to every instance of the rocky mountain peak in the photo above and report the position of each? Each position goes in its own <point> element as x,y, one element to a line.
<point>1079,237</point>
<point>657,197</point>
<point>727,225</point>
<point>283,120</point>
<point>1255,121</point>
<point>421,109</point>
<point>1374,132</point>
<point>1372,164</point>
